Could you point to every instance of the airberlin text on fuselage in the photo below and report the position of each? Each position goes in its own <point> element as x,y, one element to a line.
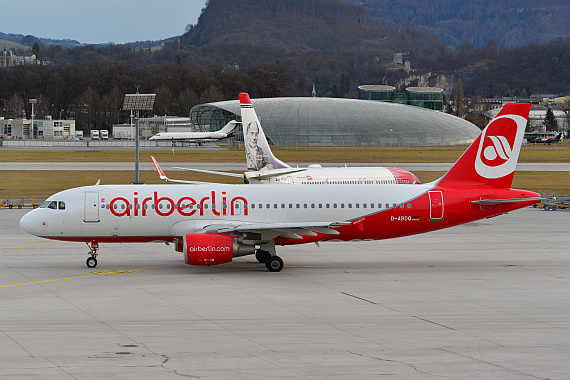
<point>185,206</point>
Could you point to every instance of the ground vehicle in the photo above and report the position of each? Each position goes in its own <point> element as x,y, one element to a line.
<point>551,202</point>
<point>104,134</point>
<point>95,134</point>
<point>79,135</point>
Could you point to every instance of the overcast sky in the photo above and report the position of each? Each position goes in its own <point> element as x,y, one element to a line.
<point>99,21</point>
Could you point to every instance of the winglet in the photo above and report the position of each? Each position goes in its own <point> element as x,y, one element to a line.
<point>159,170</point>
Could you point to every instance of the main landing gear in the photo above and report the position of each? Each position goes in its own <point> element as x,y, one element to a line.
<point>92,260</point>
<point>272,263</point>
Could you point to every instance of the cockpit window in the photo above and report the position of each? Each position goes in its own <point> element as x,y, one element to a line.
<point>52,205</point>
<point>61,205</point>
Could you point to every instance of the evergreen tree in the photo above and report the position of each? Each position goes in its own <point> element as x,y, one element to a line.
<point>550,121</point>
<point>459,101</point>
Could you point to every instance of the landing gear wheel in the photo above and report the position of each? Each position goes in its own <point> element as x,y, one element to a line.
<point>262,256</point>
<point>274,264</point>
<point>91,262</point>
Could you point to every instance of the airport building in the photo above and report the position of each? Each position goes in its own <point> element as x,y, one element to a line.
<point>43,128</point>
<point>341,122</point>
<point>425,97</point>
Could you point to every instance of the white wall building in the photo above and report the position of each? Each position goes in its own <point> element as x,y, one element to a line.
<point>15,128</point>
<point>43,129</point>
<point>53,129</point>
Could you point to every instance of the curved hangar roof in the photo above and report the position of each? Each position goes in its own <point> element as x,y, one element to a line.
<point>344,122</point>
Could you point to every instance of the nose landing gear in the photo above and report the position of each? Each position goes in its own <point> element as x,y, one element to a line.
<point>92,260</point>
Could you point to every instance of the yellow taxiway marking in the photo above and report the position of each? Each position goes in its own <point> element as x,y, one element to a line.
<point>31,245</point>
<point>38,282</point>
<point>110,271</point>
<point>87,275</point>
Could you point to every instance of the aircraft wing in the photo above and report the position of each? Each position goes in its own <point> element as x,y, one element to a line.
<point>165,178</point>
<point>273,230</point>
<point>264,174</point>
<point>211,172</point>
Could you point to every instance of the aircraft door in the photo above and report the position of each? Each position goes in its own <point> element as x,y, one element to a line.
<point>91,211</point>
<point>435,205</point>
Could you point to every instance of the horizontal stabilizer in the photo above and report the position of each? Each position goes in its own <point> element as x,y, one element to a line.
<point>491,202</point>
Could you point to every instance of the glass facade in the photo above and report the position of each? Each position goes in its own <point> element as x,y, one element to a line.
<point>376,92</point>
<point>426,97</point>
<point>341,122</point>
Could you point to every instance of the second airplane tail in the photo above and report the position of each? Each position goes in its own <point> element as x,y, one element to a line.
<point>257,151</point>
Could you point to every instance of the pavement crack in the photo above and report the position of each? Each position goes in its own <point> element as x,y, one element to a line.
<point>172,370</point>
<point>409,365</point>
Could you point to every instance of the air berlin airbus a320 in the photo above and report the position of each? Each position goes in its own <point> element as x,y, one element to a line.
<point>212,223</point>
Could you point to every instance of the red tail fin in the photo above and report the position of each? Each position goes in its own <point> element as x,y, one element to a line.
<point>493,156</point>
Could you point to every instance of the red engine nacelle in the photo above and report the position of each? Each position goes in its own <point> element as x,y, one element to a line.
<point>404,176</point>
<point>206,249</point>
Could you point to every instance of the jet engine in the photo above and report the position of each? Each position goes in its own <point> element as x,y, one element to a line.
<point>206,249</point>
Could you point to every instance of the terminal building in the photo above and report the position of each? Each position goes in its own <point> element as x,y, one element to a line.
<point>341,122</point>
<point>425,97</point>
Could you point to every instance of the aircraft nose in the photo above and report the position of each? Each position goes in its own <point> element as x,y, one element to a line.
<point>27,222</point>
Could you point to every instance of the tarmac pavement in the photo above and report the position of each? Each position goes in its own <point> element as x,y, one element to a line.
<point>489,299</point>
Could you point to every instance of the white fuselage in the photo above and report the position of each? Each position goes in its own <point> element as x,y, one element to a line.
<point>317,175</point>
<point>158,212</point>
<point>189,136</point>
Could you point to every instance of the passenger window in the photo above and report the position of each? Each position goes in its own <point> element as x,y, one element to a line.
<point>61,205</point>
<point>290,205</point>
<point>252,205</point>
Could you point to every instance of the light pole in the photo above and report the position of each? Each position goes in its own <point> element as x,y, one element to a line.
<point>137,102</point>
<point>33,102</point>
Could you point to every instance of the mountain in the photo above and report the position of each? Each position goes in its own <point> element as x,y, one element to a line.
<point>301,25</point>
<point>30,40</point>
<point>509,22</point>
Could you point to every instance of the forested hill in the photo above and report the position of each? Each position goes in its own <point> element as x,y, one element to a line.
<point>510,22</point>
<point>300,25</point>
